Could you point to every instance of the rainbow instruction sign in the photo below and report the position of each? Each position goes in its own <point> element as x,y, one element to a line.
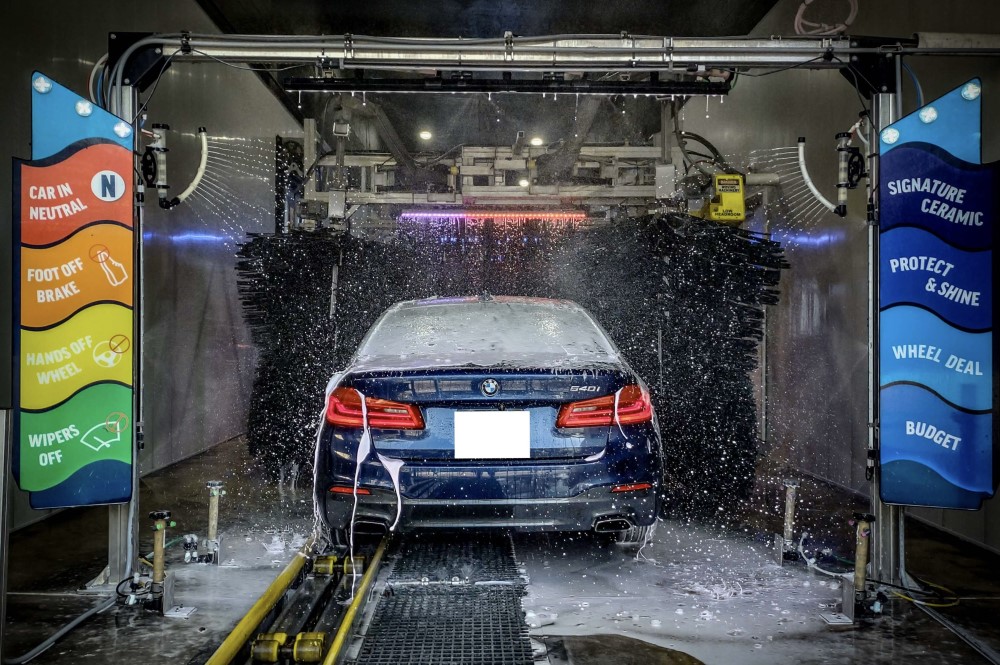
<point>74,285</point>
<point>938,206</point>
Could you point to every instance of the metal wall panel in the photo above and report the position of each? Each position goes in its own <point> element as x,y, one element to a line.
<point>199,363</point>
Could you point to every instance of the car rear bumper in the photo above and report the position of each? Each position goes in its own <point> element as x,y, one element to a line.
<point>578,513</point>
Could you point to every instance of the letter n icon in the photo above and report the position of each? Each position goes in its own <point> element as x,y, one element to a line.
<point>108,186</point>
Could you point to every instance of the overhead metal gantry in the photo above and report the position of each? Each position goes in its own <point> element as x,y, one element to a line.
<point>652,65</point>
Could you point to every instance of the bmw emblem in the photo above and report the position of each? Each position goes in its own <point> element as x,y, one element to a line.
<point>490,387</point>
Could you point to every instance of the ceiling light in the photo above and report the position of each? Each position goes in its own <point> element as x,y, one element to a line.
<point>523,182</point>
<point>425,135</point>
<point>536,140</point>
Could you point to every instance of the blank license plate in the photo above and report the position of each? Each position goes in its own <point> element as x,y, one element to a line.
<point>492,435</point>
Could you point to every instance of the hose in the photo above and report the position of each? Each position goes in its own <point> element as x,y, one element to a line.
<point>916,84</point>
<point>811,562</point>
<point>805,177</point>
<point>717,159</point>
<point>199,174</point>
<point>95,96</point>
<point>59,634</point>
<point>203,135</point>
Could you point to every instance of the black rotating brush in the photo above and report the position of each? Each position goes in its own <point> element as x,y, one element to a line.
<point>689,290</point>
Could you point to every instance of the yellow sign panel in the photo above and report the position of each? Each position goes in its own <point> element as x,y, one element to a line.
<point>94,345</point>
<point>728,205</point>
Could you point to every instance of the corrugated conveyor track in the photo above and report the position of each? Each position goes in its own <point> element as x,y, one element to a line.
<point>450,601</point>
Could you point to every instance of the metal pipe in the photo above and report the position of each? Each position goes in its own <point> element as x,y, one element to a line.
<point>885,551</point>
<point>843,183</point>
<point>560,53</point>
<point>864,527</point>
<point>791,488</point>
<point>215,490</point>
<point>763,179</point>
<point>123,519</point>
<point>952,40</point>
<point>6,417</point>
<point>159,518</point>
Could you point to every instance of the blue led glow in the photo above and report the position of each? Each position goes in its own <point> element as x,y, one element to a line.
<point>803,239</point>
<point>182,238</point>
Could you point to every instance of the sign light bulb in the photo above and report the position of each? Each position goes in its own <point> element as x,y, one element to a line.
<point>890,135</point>
<point>41,84</point>
<point>123,129</point>
<point>971,91</point>
<point>928,115</point>
<point>84,108</point>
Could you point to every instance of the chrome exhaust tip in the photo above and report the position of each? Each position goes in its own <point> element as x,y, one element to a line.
<point>371,527</point>
<point>612,524</point>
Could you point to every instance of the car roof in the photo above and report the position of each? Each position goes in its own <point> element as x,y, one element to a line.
<point>459,300</point>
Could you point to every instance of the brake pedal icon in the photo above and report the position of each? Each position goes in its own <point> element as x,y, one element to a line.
<point>113,270</point>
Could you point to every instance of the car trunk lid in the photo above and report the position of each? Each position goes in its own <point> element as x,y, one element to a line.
<point>443,393</point>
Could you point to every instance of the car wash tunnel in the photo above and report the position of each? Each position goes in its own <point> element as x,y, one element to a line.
<point>513,333</point>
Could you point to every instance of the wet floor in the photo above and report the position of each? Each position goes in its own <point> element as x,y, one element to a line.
<point>714,595</point>
<point>693,594</point>
<point>260,528</point>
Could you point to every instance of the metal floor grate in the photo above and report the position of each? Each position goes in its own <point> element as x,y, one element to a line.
<point>448,625</point>
<point>440,558</point>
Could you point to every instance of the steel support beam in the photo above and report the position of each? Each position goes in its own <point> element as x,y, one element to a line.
<point>499,85</point>
<point>886,541</point>
<point>569,55</point>
<point>550,54</point>
<point>6,447</point>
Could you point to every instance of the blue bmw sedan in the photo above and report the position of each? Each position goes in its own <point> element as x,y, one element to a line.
<point>488,412</point>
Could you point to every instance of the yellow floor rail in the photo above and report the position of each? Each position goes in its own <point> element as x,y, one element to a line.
<point>249,624</point>
<point>344,631</point>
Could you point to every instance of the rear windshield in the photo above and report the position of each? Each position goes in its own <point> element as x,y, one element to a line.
<point>493,333</point>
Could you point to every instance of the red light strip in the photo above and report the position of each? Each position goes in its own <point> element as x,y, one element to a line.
<point>499,215</point>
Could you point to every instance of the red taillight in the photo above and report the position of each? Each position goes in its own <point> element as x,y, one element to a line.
<point>631,487</point>
<point>588,413</point>
<point>344,410</point>
<point>633,407</point>
<point>347,489</point>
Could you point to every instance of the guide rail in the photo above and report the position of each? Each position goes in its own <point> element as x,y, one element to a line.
<point>437,598</point>
<point>307,613</point>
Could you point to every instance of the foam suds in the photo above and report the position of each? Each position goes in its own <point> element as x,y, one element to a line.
<point>364,448</point>
<point>617,419</point>
<point>393,466</point>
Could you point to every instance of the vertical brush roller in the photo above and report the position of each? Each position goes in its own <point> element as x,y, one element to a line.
<point>698,286</point>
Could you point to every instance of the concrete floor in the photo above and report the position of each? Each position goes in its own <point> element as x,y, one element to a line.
<point>260,527</point>
<point>695,594</point>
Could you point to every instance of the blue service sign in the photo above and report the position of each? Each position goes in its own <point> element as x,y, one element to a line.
<point>938,205</point>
